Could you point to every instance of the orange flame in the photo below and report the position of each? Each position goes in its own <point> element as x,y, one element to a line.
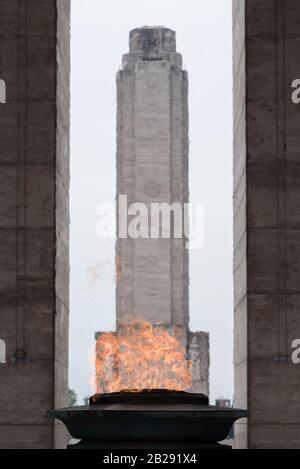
<point>141,356</point>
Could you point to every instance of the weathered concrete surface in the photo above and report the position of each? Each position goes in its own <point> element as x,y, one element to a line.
<point>198,353</point>
<point>152,167</point>
<point>34,219</point>
<point>266,223</point>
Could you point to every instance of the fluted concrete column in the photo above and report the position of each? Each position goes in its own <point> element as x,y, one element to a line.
<point>267,221</point>
<point>34,181</point>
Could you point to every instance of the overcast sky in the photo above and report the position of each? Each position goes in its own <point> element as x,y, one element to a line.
<point>100,30</point>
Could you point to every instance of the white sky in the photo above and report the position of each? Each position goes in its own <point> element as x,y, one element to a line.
<point>100,30</point>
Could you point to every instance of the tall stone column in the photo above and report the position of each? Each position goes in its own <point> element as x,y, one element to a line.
<point>267,221</point>
<point>152,164</point>
<point>34,220</point>
<point>152,168</point>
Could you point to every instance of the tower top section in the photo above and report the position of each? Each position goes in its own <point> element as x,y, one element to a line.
<point>151,43</point>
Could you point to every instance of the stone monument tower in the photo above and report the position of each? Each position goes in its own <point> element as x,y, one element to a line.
<point>152,168</point>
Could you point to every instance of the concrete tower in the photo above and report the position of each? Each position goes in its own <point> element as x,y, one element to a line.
<point>152,167</point>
